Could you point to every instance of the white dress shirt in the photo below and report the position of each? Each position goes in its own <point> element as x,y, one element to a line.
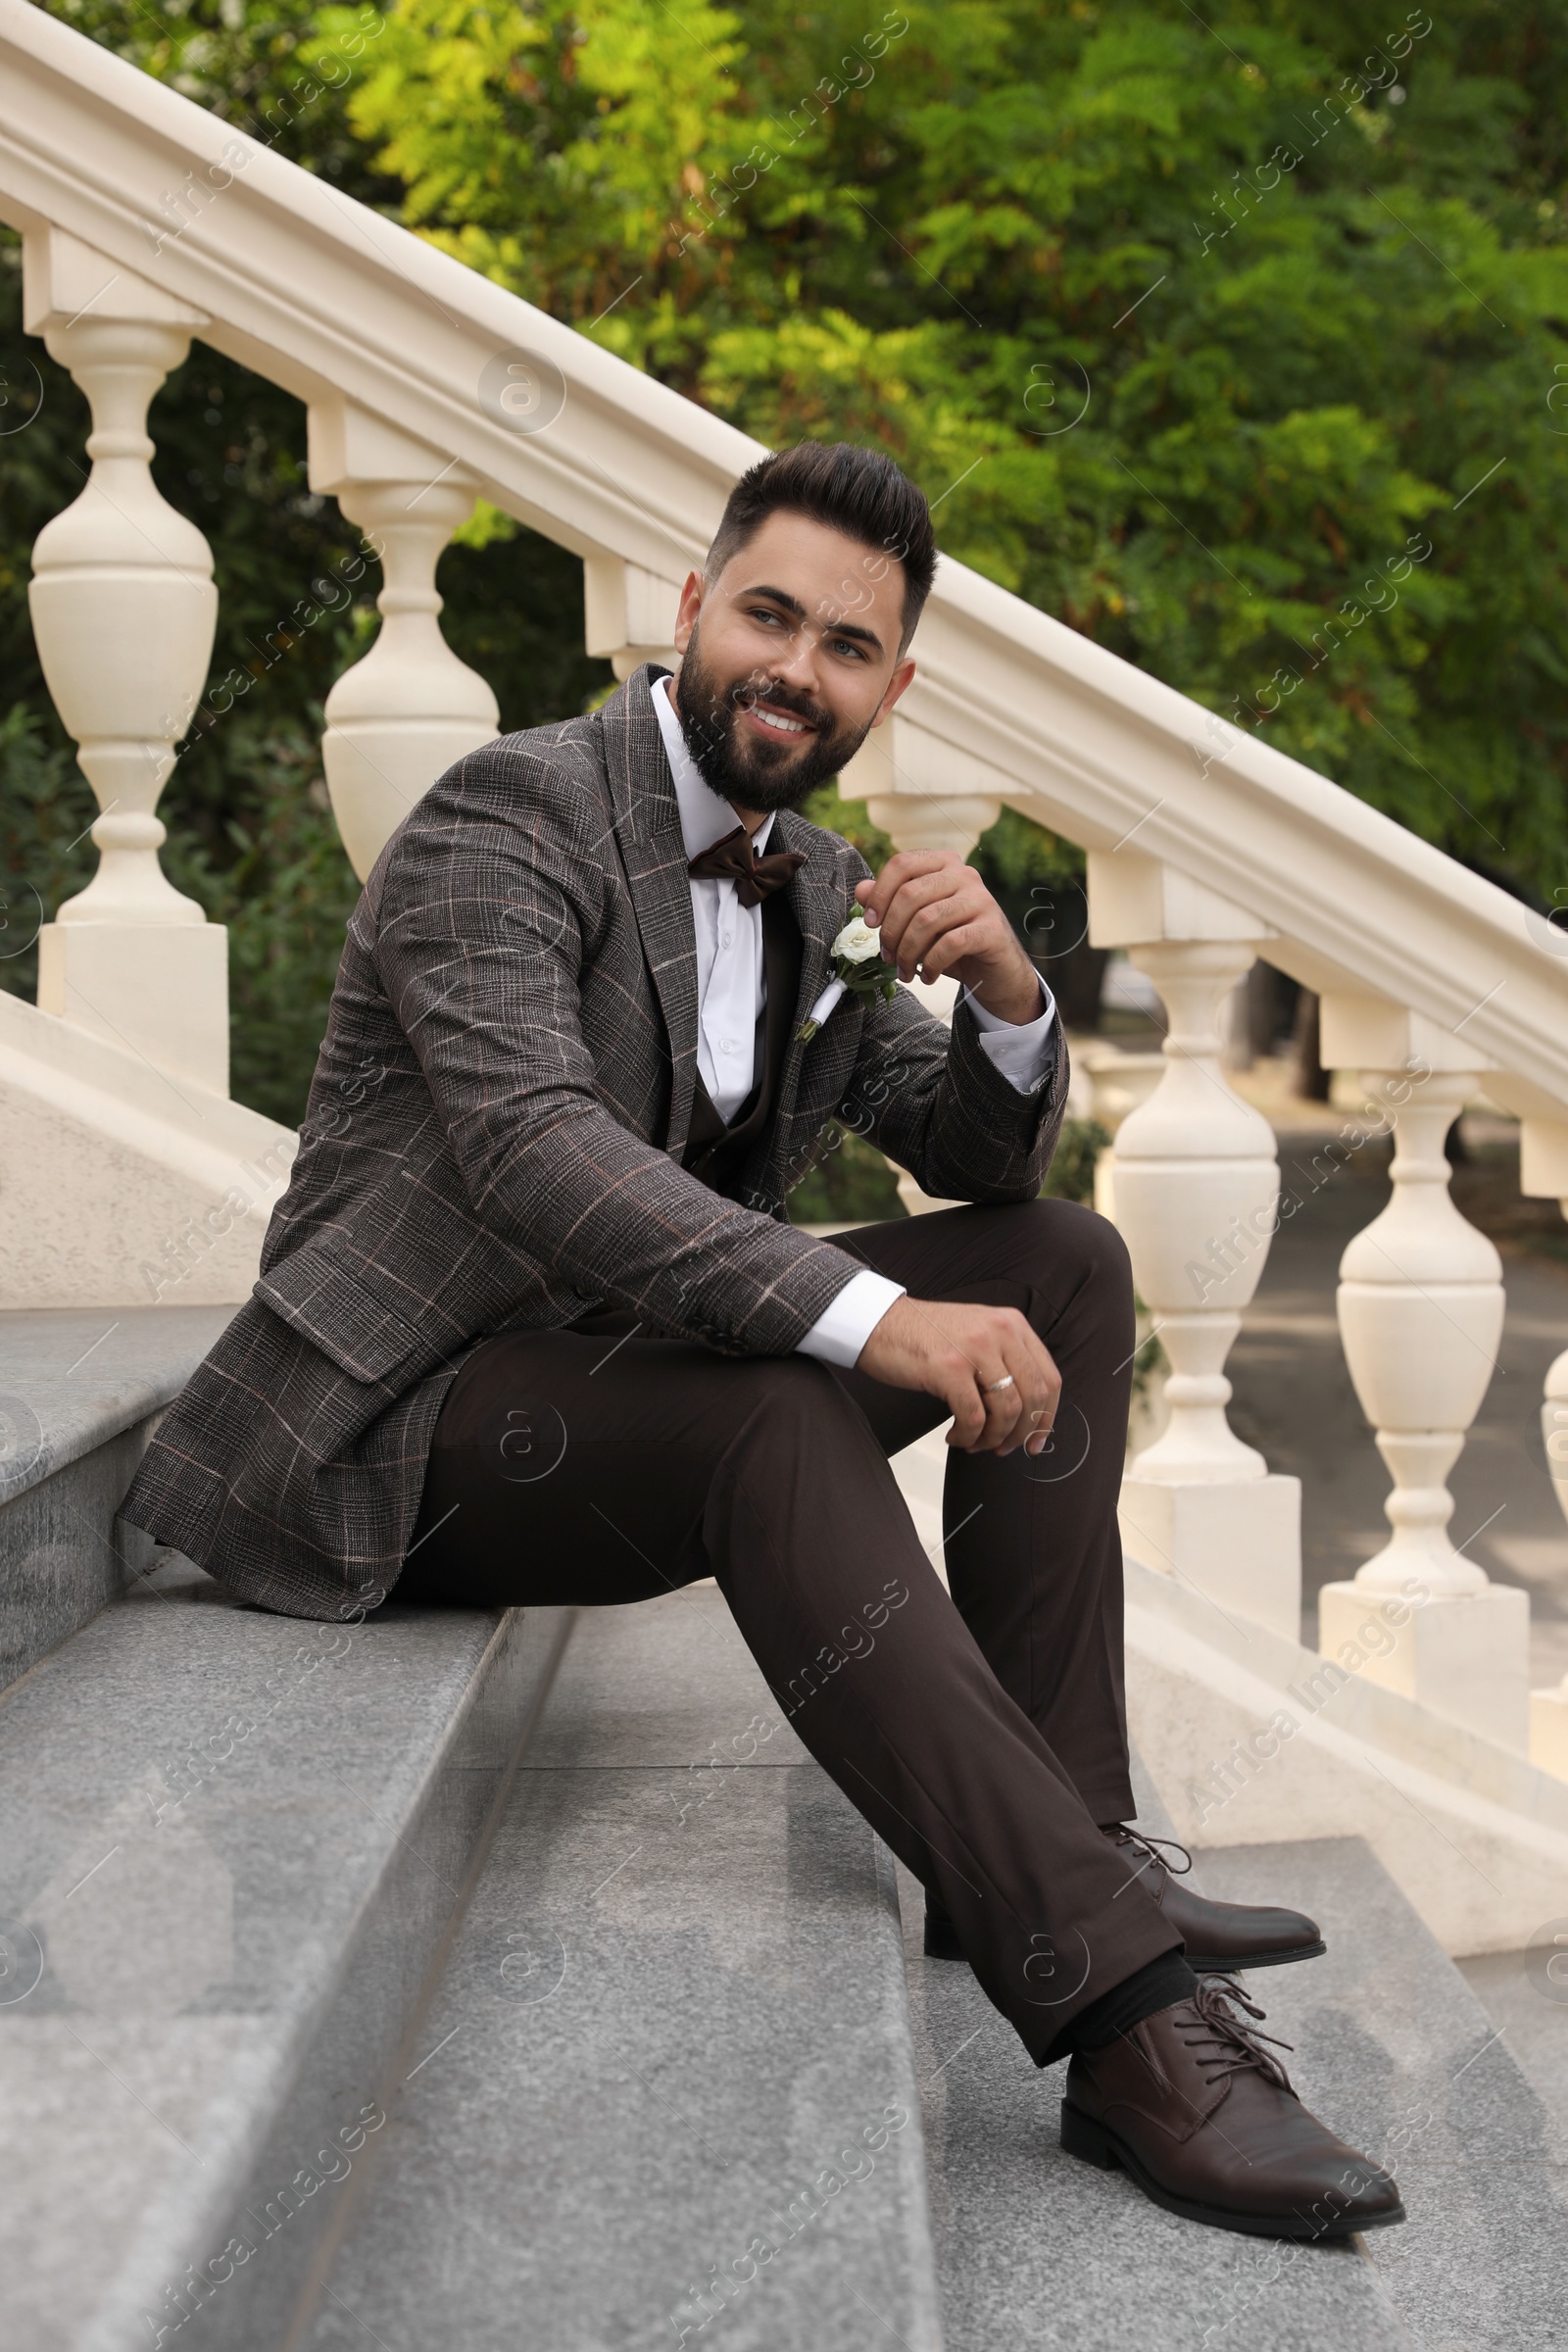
<point>732,989</point>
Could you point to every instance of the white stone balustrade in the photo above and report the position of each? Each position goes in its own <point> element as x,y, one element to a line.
<point>912,823</point>
<point>629,614</point>
<point>124,611</point>
<point>1548,1710</point>
<point>1118,1084</point>
<point>919,790</point>
<point>1420,1309</point>
<point>1196,1190</point>
<point>1543,1174</point>
<point>403,714</point>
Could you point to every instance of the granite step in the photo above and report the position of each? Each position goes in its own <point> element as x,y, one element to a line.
<point>1392,2042</point>
<point>80,1392</point>
<point>230,1847</point>
<point>1035,2248</point>
<point>664,2091</point>
<point>1391,2046</point>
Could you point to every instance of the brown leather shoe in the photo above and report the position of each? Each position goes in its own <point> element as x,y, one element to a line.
<point>1204,2120</point>
<point>1219,1937</point>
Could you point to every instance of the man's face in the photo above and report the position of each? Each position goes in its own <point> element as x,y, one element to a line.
<point>789,659</point>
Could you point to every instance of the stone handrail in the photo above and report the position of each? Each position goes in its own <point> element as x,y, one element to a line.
<point>340,305</point>
<point>146,222</point>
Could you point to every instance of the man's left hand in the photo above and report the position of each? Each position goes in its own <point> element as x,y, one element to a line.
<point>935,916</point>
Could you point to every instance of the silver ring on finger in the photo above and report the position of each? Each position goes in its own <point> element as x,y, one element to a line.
<point>992,1385</point>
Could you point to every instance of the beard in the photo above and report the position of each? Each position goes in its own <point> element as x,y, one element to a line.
<point>743,769</point>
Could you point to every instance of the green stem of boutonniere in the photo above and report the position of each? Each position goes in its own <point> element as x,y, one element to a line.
<point>866,977</point>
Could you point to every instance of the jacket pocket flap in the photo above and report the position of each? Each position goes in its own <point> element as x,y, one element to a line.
<point>329,1305</point>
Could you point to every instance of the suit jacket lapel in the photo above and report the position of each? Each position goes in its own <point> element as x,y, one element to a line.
<point>646,821</point>
<point>817,896</point>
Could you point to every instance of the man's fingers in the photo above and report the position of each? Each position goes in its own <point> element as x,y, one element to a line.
<point>900,868</point>
<point>918,914</point>
<point>1039,1417</point>
<point>1046,1396</point>
<point>1042,1414</point>
<point>950,947</point>
<point>1005,1407</point>
<point>1013,1410</point>
<point>961,1394</point>
<point>909,942</point>
<point>1021,1393</point>
<point>994,1398</point>
<point>986,1364</point>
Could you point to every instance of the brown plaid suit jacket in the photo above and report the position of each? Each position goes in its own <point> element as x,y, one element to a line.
<point>493,1140</point>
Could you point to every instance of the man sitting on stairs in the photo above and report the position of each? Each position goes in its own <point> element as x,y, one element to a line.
<point>533,1326</point>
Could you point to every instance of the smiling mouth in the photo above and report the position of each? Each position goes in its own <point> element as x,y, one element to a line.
<point>779,722</point>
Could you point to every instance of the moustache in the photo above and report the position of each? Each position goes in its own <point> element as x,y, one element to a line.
<point>746,694</point>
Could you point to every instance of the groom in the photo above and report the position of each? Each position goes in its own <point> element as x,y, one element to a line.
<point>534,1327</point>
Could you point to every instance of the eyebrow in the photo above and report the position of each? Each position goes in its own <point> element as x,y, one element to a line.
<point>797,612</point>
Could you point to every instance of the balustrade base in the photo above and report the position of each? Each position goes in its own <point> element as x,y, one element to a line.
<point>1548,1731</point>
<point>1465,1655</point>
<point>1239,1546</point>
<point>121,1186</point>
<point>157,990</point>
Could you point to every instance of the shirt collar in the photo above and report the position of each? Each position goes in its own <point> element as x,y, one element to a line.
<point>706,817</point>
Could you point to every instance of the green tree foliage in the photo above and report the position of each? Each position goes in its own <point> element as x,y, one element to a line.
<point>1236,349</point>
<point>1207,341</point>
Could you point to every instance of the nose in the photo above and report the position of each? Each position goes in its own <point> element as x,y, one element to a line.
<point>796,664</point>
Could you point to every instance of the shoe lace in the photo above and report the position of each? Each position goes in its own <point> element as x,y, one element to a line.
<point>1147,1846</point>
<point>1234,2047</point>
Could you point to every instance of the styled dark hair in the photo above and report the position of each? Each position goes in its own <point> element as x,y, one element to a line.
<point>857,491</point>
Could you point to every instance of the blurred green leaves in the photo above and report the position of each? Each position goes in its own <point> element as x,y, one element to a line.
<point>1187,331</point>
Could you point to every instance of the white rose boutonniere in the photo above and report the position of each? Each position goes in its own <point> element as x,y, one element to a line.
<point>860,967</point>
<point>856,943</point>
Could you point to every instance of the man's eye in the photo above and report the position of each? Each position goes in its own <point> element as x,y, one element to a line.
<point>847,645</point>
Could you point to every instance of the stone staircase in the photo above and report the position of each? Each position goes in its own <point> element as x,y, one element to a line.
<point>1390,2044</point>
<point>479,1978</point>
<point>667,2088</point>
<point>80,1393</point>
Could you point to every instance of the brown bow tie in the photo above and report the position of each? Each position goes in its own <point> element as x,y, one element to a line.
<point>733,860</point>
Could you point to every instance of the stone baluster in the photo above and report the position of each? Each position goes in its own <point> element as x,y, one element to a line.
<point>1420,1309</point>
<point>1196,1190</point>
<point>124,611</point>
<point>403,714</point>
<point>1118,1083</point>
<point>1543,1174</point>
<point>914,823</point>
<point>1548,1710</point>
<point>628,614</point>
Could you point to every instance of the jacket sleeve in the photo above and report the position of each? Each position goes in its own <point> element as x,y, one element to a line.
<point>481,934</point>
<point>934,1101</point>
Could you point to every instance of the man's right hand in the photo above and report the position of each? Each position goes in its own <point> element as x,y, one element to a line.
<point>959,1353</point>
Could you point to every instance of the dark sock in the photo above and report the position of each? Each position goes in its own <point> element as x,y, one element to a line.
<point>1159,1985</point>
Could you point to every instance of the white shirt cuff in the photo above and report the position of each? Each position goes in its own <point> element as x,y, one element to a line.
<point>840,1333</point>
<point>1019,1049</point>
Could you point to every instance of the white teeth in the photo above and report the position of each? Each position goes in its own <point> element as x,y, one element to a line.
<point>787,726</point>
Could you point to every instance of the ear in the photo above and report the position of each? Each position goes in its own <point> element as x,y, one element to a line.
<point>900,679</point>
<point>691,604</point>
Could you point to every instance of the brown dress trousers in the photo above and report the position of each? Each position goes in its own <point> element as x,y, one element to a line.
<point>983,1736</point>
